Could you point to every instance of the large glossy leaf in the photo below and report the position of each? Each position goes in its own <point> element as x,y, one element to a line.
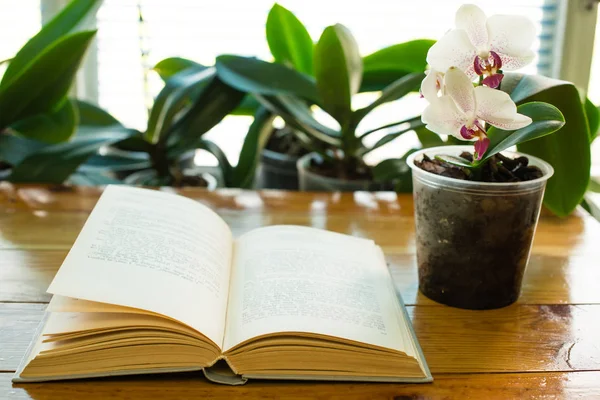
<point>392,63</point>
<point>546,118</point>
<point>170,66</point>
<point>55,163</point>
<point>215,102</point>
<point>394,91</point>
<point>338,69</point>
<point>92,115</point>
<point>568,149</point>
<point>14,149</point>
<point>224,164</point>
<point>43,86</point>
<point>256,138</point>
<point>116,161</point>
<point>412,125</point>
<point>54,127</point>
<point>255,76</point>
<point>298,116</point>
<point>289,41</point>
<point>593,117</point>
<point>173,98</point>
<point>63,23</point>
<point>249,106</point>
<point>428,138</point>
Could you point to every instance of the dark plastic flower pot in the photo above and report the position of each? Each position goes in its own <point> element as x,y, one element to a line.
<point>277,171</point>
<point>474,238</point>
<point>313,182</point>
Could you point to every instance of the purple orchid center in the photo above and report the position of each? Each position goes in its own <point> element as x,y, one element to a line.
<point>489,68</point>
<point>476,131</point>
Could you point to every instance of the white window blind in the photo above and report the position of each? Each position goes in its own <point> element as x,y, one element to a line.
<point>19,20</point>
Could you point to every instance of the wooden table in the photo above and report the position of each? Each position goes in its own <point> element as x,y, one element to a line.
<point>547,345</point>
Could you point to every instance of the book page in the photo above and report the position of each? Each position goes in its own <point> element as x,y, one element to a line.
<point>299,279</point>
<point>154,251</point>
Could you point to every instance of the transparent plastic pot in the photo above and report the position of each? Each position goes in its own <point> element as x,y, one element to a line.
<point>474,238</point>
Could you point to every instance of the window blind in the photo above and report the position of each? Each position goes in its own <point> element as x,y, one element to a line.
<point>19,20</point>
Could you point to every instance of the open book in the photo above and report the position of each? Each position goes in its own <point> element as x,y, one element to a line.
<point>155,282</point>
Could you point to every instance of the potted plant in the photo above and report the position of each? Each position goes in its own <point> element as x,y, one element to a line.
<point>38,121</point>
<point>192,102</point>
<point>476,209</point>
<point>336,159</point>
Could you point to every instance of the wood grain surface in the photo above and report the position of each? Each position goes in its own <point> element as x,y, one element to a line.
<point>545,346</point>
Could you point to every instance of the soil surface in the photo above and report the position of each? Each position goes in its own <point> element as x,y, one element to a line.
<point>285,142</point>
<point>498,169</point>
<point>353,169</point>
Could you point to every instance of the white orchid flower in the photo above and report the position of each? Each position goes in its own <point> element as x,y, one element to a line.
<point>464,110</point>
<point>432,86</point>
<point>482,46</point>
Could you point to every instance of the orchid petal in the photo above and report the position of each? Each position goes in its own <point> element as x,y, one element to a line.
<point>511,35</point>
<point>481,147</point>
<point>443,117</point>
<point>473,20</point>
<point>493,81</point>
<point>460,88</point>
<point>430,86</point>
<point>512,63</point>
<point>497,108</point>
<point>453,49</point>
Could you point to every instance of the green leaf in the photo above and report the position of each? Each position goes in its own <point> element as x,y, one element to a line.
<point>92,115</point>
<point>428,138</point>
<point>394,91</point>
<point>14,149</point>
<point>215,102</point>
<point>392,63</point>
<point>390,169</point>
<point>546,118</point>
<point>173,65</point>
<point>338,69</point>
<point>54,127</point>
<point>289,41</point>
<point>43,85</point>
<point>116,160</point>
<point>63,23</point>
<point>255,76</point>
<point>55,163</point>
<point>136,142</point>
<point>256,139</point>
<point>413,124</point>
<point>593,117</point>
<point>224,164</point>
<point>172,99</point>
<point>457,161</point>
<point>568,149</point>
<point>296,114</point>
<point>249,106</point>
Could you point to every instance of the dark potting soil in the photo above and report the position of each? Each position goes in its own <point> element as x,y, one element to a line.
<point>473,247</point>
<point>284,141</point>
<point>353,169</point>
<point>192,180</point>
<point>498,169</point>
